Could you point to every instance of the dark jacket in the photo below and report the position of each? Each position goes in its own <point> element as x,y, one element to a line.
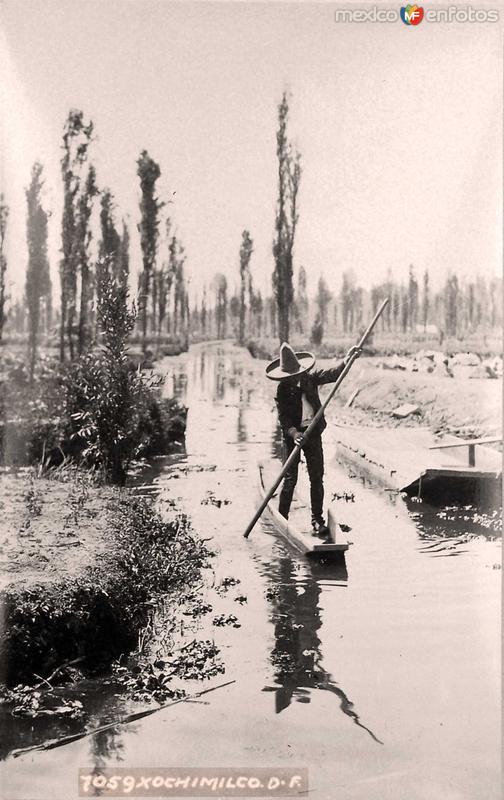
<point>288,398</point>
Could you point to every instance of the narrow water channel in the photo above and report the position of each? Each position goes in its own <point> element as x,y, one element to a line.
<point>381,675</point>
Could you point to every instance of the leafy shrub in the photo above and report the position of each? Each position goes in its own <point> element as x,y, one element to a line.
<point>31,416</point>
<point>43,423</point>
<point>106,401</point>
<point>107,396</point>
<point>98,409</point>
<point>163,422</point>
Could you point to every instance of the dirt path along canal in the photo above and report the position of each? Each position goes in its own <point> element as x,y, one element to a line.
<point>380,676</point>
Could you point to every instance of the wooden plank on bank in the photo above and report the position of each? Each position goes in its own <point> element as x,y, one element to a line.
<point>466,442</point>
<point>471,445</point>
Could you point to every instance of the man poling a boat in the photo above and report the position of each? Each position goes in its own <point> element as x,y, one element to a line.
<point>298,401</point>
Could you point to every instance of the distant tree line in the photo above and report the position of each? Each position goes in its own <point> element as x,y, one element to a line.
<point>235,309</point>
<point>456,309</point>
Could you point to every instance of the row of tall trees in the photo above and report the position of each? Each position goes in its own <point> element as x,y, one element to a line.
<point>458,308</point>
<point>89,211</point>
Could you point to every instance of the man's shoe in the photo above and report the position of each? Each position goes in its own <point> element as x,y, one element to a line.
<point>320,529</point>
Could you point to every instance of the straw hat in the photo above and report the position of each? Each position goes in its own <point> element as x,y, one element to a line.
<point>289,363</point>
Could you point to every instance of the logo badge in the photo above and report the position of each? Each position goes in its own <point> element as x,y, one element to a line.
<point>412,15</point>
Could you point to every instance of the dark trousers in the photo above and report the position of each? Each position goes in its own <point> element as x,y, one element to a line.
<point>314,455</point>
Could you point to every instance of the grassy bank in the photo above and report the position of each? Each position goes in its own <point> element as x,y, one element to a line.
<point>83,567</point>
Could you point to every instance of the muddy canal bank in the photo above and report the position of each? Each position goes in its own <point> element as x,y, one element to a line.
<point>456,405</point>
<point>82,567</point>
<point>374,674</point>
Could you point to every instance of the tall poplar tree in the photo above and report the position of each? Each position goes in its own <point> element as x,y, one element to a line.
<point>246,251</point>
<point>77,136</point>
<point>412,298</point>
<point>150,205</point>
<point>289,177</point>
<point>83,241</point>
<point>38,282</point>
<point>221,302</point>
<point>109,248</point>
<point>123,266</point>
<point>425,300</point>
<point>4,216</point>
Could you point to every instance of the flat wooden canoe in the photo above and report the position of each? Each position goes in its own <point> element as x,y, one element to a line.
<point>301,540</point>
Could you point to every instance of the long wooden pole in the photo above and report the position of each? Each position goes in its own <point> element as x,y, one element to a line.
<point>314,421</point>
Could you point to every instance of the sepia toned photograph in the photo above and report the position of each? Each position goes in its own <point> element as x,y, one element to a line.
<point>251,363</point>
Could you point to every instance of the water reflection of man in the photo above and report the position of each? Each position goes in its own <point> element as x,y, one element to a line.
<point>298,401</point>
<point>296,651</point>
<point>296,655</point>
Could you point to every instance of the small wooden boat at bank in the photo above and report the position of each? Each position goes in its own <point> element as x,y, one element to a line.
<point>292,529</point>
<point>415,461</point>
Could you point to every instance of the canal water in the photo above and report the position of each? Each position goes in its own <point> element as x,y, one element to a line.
<point>381,675</point>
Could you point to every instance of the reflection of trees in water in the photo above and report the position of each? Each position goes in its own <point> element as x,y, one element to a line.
<point>241,428</point>
<point>26,732</point>
<point>209,374</point>
<point>243,404</point>
<point>220,385</point>
<point>50,732</point>
<point>235,374</point>
<point>276,440</point>
<point>104,746</point>
<point>217,371</point>
<point>228,375</point>
<point>179,385</point>
<point>220,375</point>
<point>296,655</point>
<point>202,367</point>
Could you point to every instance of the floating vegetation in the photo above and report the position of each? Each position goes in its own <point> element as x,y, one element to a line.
<point>198,609</point>
<point>30,701</point>
<point>148,682</point>
<point>491,520</point>
<point>223,620</point>
<point>153,679</point>
<point>211,500</point>
<point>198,660</point>
<point>226,584</point>
<point>348,497</point>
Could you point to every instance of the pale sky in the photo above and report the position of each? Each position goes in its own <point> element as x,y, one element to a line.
<point>399,129</point>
